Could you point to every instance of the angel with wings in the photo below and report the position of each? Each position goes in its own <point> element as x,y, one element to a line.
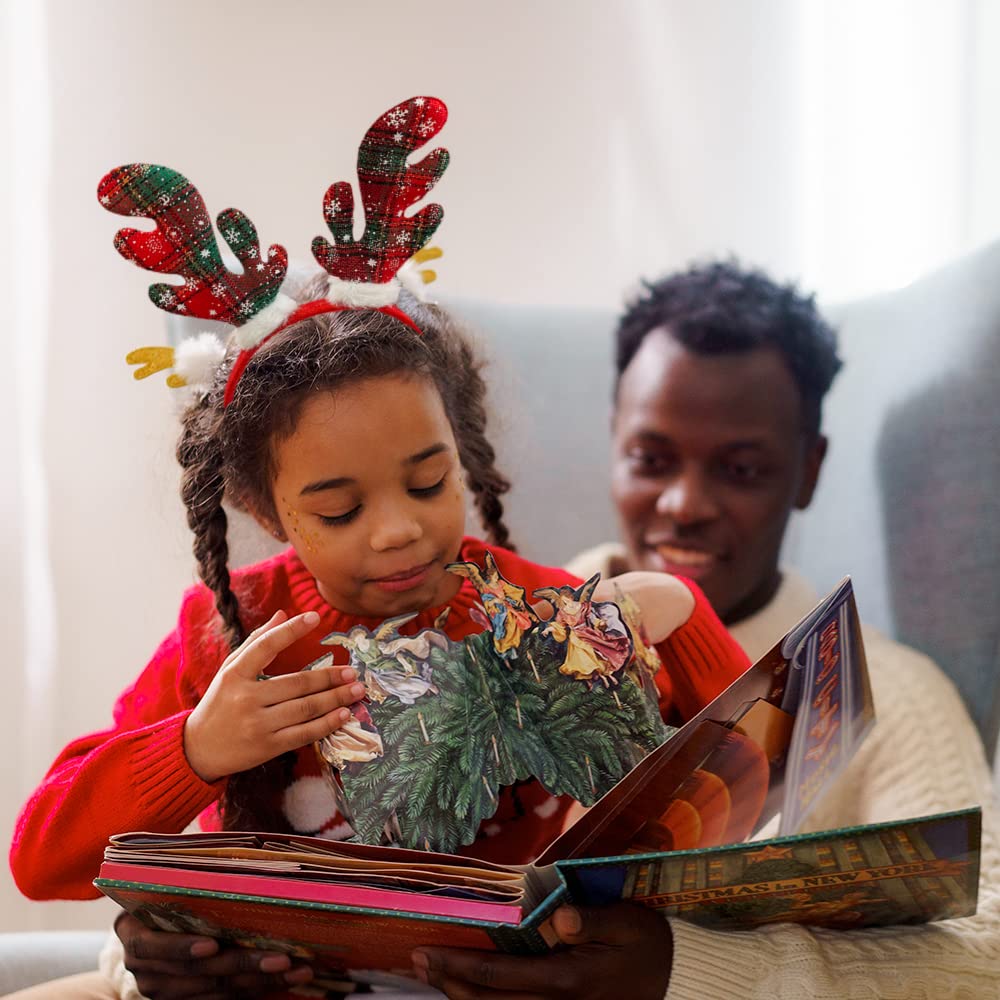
<point>505,612</point>
<point>389,663</point>
<point>598,644</point>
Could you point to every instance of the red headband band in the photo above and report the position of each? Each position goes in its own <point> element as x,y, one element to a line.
<point>305,311</point>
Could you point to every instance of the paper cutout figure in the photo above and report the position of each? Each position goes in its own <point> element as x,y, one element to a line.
<point>597,643</point>
<point>507,614</point>
<point>562,700</point>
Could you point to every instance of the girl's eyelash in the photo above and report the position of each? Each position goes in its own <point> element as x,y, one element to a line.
<point>429,491</point>
<point>340,518</point>
<point>417,491</point>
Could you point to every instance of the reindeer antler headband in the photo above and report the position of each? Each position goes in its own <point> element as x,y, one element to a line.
<point>363,272</point>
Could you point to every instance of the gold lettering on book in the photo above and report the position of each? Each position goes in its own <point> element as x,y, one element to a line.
<point>724,893</point>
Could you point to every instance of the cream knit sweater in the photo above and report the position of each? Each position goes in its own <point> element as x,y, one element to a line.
<point>923,756</point>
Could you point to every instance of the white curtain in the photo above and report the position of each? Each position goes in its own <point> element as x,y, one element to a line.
<point>851,144</point>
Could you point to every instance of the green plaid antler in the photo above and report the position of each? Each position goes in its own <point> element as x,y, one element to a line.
<point>388,186</point>
<point>184,244</point>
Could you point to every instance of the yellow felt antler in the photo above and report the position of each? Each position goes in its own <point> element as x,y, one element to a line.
<point>153,360</point>
<point>427,275</point>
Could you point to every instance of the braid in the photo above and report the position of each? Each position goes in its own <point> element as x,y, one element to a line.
<point>477,454</point>
<point>202,489</point>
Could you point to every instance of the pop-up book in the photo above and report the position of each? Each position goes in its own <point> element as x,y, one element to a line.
<point>670,834</point>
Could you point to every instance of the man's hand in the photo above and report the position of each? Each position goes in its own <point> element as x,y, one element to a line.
<point>171,966</point>
<point>613,952</point>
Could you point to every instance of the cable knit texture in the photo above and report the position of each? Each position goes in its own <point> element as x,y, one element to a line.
<point>923,756</point>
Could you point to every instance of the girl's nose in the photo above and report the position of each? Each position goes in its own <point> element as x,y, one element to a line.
<point>394,529</point>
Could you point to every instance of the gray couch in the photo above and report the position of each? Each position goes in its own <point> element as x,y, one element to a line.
<point>909,502</point>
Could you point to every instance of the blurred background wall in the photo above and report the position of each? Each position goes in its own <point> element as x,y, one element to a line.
<point>851,145</point>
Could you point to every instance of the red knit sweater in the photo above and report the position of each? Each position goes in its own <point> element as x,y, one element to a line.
<point>135,776</point>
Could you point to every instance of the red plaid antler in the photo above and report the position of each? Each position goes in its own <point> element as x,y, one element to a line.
<point>388,187</point>
<point>183,244</point>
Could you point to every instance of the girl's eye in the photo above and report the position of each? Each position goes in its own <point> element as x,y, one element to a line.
<point>340,518</point>
<point>428,491</point>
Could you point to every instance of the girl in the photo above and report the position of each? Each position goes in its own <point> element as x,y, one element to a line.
<point>353,433</point>
<point>355,439</point>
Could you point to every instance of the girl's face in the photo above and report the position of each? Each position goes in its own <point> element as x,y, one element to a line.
<point>369,492</point>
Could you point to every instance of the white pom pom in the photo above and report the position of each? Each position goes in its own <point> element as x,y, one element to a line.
<point>197,359</point>
<point>309,804</point>
<point>411,279</point>
<point>362,294</point>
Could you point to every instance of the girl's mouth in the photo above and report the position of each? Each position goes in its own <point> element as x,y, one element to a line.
<point>407,579</point>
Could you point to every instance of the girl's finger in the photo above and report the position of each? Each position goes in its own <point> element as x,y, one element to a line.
<point>293,737</point>
<point>255,656</point>
<point>276,619</point>
<point>313,706</point>
<point>287,686</point>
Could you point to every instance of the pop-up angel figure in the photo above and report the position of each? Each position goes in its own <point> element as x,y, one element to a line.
<point>598,644</point>
<point>507,614</point>
<point>389,663</point>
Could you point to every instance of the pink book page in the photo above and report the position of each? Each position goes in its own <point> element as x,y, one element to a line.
<point>313,892</point>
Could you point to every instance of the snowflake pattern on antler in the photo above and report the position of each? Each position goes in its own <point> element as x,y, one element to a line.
<point>388,185</point>
<point>184,244</point>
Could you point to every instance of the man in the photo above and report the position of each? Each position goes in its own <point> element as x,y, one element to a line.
<point>716,429</point>
<point>721,374</point>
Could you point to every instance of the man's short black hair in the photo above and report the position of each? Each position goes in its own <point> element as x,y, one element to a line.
<point>721,307</point>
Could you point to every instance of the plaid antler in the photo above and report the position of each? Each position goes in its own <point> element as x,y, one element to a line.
<point>183,243</point>
<point>388,187</point>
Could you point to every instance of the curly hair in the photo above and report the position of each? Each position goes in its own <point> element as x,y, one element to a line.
<point>227,454</point>
<point>721,307</point>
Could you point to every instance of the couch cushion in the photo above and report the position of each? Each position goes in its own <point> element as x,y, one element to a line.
<point>36,957</point>
<point>908,501</point>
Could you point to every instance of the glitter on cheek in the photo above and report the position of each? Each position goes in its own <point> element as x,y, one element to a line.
<point>295,523</point>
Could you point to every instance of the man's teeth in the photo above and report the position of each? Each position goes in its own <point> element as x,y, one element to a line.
<point>683,557</point>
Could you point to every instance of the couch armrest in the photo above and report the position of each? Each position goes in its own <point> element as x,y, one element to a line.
<point>38,956</point>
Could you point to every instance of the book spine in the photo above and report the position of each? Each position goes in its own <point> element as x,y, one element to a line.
<point>535,935</point>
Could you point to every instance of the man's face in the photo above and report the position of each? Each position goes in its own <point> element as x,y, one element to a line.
<point>709,459</point>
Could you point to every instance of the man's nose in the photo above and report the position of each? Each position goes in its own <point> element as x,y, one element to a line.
<point>687,499</point>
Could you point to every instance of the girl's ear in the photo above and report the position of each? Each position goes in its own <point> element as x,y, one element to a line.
<point>270,524</point>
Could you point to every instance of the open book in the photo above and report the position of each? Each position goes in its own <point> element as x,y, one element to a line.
<point>670,834</point>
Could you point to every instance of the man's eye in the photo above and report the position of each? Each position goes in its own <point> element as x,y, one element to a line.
<point>648,463</point>
<point>428,491</point>
<point>744,472</point>
<point>340,518</point>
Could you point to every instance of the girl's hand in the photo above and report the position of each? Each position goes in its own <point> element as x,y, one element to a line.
<point>243,721</point>
<point>170,966</point>
<point>614,951</point>
<point>664,602</point>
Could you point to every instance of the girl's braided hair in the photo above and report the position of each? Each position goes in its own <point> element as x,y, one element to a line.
<point>228,454</point>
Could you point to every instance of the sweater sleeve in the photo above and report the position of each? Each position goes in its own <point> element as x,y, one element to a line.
<point>924,756</point>
<point>132,776</point>
<point>700,660</point>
